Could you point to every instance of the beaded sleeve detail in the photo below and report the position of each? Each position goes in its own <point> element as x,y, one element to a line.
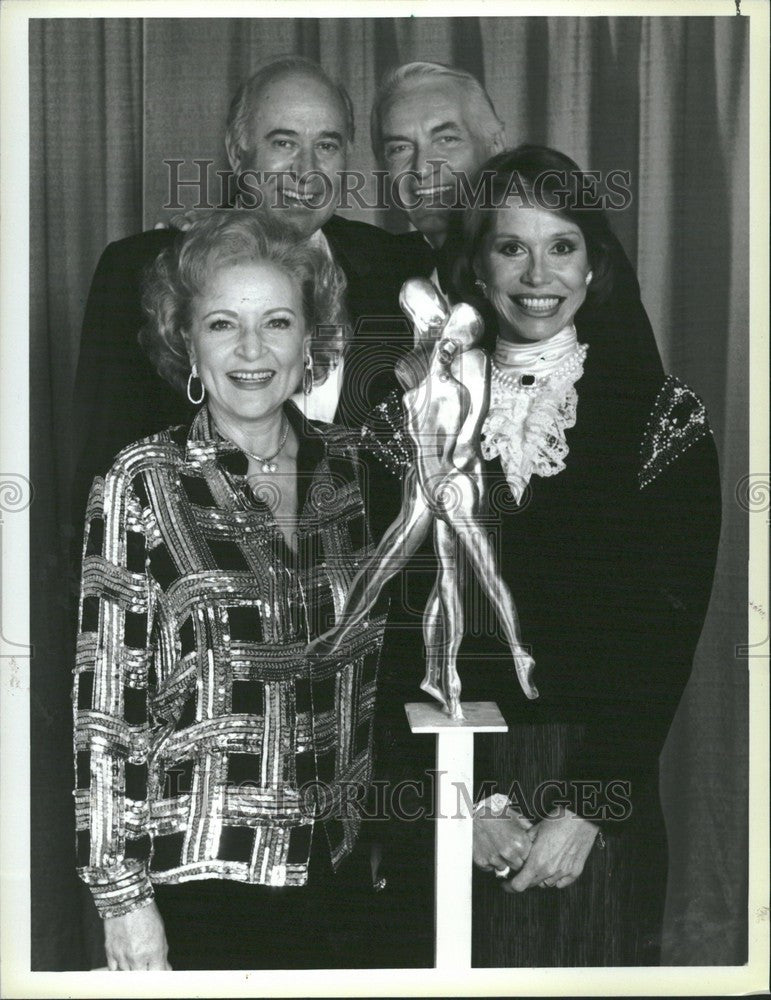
<point>678,420</point>
<point>382,434</point>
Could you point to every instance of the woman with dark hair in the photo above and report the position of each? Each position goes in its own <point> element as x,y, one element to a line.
<point>605,496</point>
<point>218,767</point>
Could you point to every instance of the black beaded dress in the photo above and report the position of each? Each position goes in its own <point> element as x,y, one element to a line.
<point>610,563</point>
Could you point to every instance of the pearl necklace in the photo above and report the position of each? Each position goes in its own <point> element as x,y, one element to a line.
<point>528,383</point>
<point>267,464</point>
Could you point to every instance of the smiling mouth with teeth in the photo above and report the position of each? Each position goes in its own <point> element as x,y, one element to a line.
<point>538,305</point>
<point>429,192</point>
<point>251,378</point>
<point>300,199</point>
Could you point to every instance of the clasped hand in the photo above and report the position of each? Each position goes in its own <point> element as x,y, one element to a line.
<point>503,837</point>
<point>551,853</point>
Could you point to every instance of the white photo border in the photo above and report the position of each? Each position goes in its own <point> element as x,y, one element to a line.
<point>16,978</point>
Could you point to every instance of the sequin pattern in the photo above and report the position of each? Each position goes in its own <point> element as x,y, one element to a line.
<point>207,744</point>
<point>678,420</point>
<point>382,434</point>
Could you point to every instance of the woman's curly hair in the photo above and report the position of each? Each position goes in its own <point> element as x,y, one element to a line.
<point>230,236</point>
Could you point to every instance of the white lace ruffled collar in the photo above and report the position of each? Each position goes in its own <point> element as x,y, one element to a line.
<point>533,401</point>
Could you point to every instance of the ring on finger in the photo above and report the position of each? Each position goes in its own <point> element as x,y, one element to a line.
<point>503,872</point>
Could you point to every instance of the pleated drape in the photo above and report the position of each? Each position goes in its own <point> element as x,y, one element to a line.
<point>665,98</point>
<point>693,267</point>
<point>85,190</point>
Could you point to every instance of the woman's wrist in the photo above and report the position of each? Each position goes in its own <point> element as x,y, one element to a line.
<point>123,911</point>
<point>119,890</point>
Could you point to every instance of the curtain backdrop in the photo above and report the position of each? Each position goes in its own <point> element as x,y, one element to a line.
<point>665,98</point>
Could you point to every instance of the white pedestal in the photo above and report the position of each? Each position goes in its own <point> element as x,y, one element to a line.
<point>454,824</point>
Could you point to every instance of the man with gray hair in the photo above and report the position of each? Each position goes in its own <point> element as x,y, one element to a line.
<point>432,123</point>
<point>289,131</point>
<point>288,134</point>
<point>433,127</point>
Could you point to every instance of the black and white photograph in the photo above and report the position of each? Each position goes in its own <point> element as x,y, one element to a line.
<point>384,498</point>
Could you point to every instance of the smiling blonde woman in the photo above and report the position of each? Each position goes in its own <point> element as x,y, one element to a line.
<point>214,759</point>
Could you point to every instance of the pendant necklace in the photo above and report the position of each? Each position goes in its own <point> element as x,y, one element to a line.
<point>267,463</point>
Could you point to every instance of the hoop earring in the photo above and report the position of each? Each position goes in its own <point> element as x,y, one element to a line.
<point>481,285</point>
<point>194,375</point>
<point>308,375</point>
<point>588,278</point>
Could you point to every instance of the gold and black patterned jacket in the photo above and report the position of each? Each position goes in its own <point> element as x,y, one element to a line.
<point>207,743</point>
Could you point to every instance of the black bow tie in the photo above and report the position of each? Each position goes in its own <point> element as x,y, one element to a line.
<point>441,259</point>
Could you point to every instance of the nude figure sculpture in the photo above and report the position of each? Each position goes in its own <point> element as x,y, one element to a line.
<point>447,392</point>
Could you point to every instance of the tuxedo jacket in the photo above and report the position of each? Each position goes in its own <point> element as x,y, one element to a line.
<point>120,398</point>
